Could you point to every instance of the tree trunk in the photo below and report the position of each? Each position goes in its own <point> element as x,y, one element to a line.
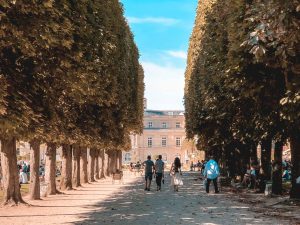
<point>245,153</point>
<point>76,166</point>
<point>295,152</point>
<point>230,160</point>
<point>97,161</point>
<point>102,164</point>
<point>266,158</point>
<point>111,162</point>
<point>50,170</point>
<point>92,165</point>
<point>253,152</point>
<point>112,166</point>
<point>66,174</point>
<point>119,158</point>
<point>231,165</point>
<point>83,166</point>
<point>34,193</point>
<point>107,163</point>
<point>277,170</point>
<point>115,160</point>
<point>10,173</point>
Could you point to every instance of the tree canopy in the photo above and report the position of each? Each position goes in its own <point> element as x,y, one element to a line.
<point>242,77</point>
<point>70,72</point>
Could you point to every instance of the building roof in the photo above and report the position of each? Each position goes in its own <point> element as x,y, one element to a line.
<point>149,112</point>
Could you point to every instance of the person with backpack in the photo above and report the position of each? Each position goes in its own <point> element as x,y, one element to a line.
<point>211,173</point>
<point>159,171</point>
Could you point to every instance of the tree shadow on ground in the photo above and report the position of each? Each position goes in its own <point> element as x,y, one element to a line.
<point>132,205</point>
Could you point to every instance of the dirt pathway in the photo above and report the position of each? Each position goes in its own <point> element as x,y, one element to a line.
<point>68,208</point>
<point>104,203</point>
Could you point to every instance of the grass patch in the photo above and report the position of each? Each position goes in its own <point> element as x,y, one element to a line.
<point>25,188</point>
<point>24,191</point>
<point>287,185</point>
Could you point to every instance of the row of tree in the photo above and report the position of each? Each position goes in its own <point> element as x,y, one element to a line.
<point>243,84</point>
<point>80,166</point>
<point>70,76</point>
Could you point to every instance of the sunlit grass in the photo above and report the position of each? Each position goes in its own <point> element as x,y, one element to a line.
<point>286,185</point>
<point>24,191</point>
<point>25,188</point>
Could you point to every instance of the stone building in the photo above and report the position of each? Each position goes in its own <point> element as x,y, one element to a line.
<point>163,134</point>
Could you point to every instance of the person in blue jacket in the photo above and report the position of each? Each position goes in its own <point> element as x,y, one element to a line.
<point>211,173</point>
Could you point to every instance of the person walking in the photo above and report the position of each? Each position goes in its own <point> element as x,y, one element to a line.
<point>159,171</point>
<point>23,174</point>
<point>149,169</point>
<point>211,173</point>
<point>176,174</point>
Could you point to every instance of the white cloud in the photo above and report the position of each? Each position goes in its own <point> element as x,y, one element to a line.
<point>160,20</point>
<point>177,54</point>
<point>164,86</point>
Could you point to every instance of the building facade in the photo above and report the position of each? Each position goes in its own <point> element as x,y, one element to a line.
<point>163,134</point>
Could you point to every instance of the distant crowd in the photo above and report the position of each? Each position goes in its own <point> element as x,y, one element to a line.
<point>254,178</point>
<point>23,168</point>
<point>209,169</point>
<point>150,169</point>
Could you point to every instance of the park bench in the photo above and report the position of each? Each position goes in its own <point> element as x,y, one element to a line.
<point>118,175</point>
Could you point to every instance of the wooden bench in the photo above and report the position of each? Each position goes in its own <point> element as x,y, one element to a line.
<point>117,176</point>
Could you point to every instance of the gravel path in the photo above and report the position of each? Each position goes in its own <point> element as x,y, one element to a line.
<point>104,203</point>
<point>191,205</point>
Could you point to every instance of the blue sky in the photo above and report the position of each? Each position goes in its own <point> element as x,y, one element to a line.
<point>162,29</point>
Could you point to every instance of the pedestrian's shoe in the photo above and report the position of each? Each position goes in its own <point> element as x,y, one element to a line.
<point>146,189</point>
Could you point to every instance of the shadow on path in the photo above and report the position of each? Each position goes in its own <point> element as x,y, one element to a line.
<point>132,205</point>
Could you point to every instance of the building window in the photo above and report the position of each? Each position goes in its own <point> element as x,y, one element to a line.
<point>178,142</point>
<point>150,124</point>
<point>150,142</point>
<point>127,157</point>
<point>163,141</point>
<point>177,124</point>
<point>164,125</point>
